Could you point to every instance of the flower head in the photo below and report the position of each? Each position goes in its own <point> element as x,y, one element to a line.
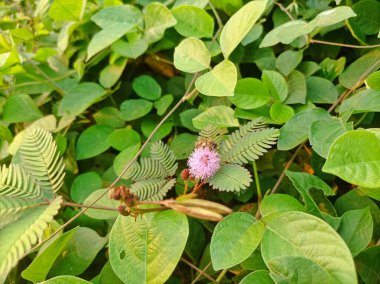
<point>203,163</point>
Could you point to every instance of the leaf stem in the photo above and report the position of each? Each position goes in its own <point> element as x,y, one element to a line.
<point>71,204</point>
<point>198,270</point>
<point>216,14</point>
<point>221,275</point>
<point>342,44</point>
<point>202,272</point>
<point>259,196</point>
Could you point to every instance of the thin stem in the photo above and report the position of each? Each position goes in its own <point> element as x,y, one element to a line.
<point>198,270</point>
<point>216,14</point>
<point>285,10</point>
<point>342,44</point>
<point>201,273</point>
<point>71,204</point>
<point>221,275</point>
<point>259,196</point>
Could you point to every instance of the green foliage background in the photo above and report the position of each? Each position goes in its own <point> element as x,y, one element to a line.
<point>101,74</point>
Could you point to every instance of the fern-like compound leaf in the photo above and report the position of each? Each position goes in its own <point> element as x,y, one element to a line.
<point>231,177</point>
<point>212,133</point>
<point>18,238</point>
<point>147,168</point>
<point>162,153</point>
<point>41,159</point>
<point>152,189</point>
<point>243,146</point>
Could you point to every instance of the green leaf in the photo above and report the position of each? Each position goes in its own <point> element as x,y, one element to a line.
<point>147,88</point>
<point>109,116</point>
<point>134,109</point>
<point>115,21</point>
<point>220,116</point>
<point>107,275</point>
<point>20,108</point>
<point>187,116</point>
<point>157,18</point>
<point>193,22</point>
<point>196,240</point>
<point>231,177</point>
<point>131,49</point>
<point>296,129</point>
<point>331,68</point>
<point>320,90</point>
<point>148,125</point>
<point>234,240</point>
<point>250,93</point>
<point>367,19</point>
<point>79,98</point>
<point>78,253</point>
<point>112,73</point>
<point>259,276</point>
<point>371,192</point>
<point>276,84</point>
<point>362,102</point>
<point>296,88</point>
<point>147,249</point>
<point>281,113</point>
<point>239,25</point>
<point>218,82</point>
<point>368,265</point>
<point>84,184</point>
<point>182,145</point>
<point>356,229</point>
<point>324,132</point>
<point>123,138</point>
<point>67,10</point>
<point>286,251</point>
<point>191,56</point>
<point>124,157</point>
<point>373,80</point>
<point>352,162</point>
<point>287,61</point>
<point>359,68</point>
<point>304,183</point>
<point>163,104</point>
<point>103,201</point>
<point>279,203</point>
<point>96,136</point>
<point>41,265</point>
<point>17,238</point>
<point>65,279</point>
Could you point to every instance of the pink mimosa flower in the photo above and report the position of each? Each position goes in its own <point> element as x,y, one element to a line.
<point>203,163</point>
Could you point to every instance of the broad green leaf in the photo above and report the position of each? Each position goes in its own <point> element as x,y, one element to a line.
<point>79,98</point>
<point>331,68</point>
<point>367,19</point>
<point>234,240</point>
<point>124,157</point>
<point>20,108</point>
<point>96,136</point>
<point>228,6</point>
<point>324,132</point>
<point>287,61</point>
<point>134,109</point>
<point>352,162</point>
<point>296,129</point>
<point>182,145</point>
<point>78,253</point>
<point>368,265</point>
<point>231,177</point>
<point>196,240</point>
<point>250,93</point>
<point>107,275</point>
<point>296,88</point>
<point>279,203</point>
<point>371,192</point>
<point>239,25</point>
<point>308,68</point>
<point>373,80</point>
<point>103,201</point>
<point>148,125</point>
<point>109,116</point>
<point>254,34</point>
<point>193,22</point>
<point>259,276</point>
<point>187,116</point>
<point>276,84</point>
<point>304,183</point>
<point>65,279</point>
<point>130,49</point>
<point>362,102</point>
<point>41,265</point>
<point>254,262</point>
<point>147,88</point>
<point>67,10</point>
<point>281,113</point>
<point>359,68</point>
<point>163,104</point>
<point>286,249</point>
<point>157,18</point>
<point>147,249</point>
<point>356,229</point>
<point>219,116</point>
<point>123,138</point>
<point>320,90</point>
<point>112,73</point>
<point>218,82</point>
<point>197,3</point>
<point>115,21</point>
<point>332,17</point>
<point>191,56</point>
<point>85,184</point>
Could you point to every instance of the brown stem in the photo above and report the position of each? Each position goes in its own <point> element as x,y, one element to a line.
<point>342,44</point>
<point>201,273</point>
<point>198,270</point>
<point>71,204</point>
